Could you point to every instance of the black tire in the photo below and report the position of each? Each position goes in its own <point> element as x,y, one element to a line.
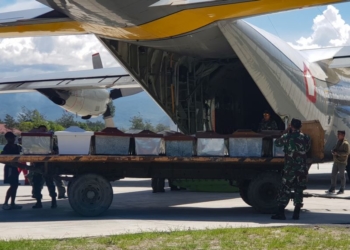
<point>90,195</point>
<point>69,185</point>
<point>348,170</point>
<point>262,192</point>
<point>243,191</point>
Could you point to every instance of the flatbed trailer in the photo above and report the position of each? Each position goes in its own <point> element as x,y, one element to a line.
<point>90,192</point>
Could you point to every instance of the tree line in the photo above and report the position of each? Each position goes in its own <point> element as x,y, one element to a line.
<point>28,119</point>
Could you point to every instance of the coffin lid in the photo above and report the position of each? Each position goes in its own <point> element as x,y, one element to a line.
<point>178,137</point>
<point>37,134</point>
<point>147,133</point>
<point>74,130</point>
<point>272,133</point>
<point>112,132</point>
<point>243,133</point>
<point>210,135</point>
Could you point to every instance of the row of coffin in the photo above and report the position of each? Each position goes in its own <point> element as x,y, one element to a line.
<point>111,141</point>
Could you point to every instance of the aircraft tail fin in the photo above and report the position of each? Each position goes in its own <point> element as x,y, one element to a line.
<point>96,61</point>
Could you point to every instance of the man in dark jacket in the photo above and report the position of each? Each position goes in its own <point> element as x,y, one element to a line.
<point>340,157</point>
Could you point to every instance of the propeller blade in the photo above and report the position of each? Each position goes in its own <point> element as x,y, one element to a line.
<point>108,118</point>
<point>108,112</point>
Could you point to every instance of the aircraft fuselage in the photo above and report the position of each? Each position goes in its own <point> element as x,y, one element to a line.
<point>293,86</point>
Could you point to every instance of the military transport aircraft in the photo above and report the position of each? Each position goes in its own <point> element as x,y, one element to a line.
<point>207,68</point>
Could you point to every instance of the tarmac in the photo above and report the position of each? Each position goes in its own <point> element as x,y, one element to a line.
<point>136,209</point>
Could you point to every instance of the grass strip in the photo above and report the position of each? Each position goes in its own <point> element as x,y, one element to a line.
<point>323,237</point>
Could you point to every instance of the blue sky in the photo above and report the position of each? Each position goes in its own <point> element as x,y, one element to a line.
<point>290,25</point>
<point>307,28</point>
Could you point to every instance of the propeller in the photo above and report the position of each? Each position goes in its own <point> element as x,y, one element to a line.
<point>114,93</point>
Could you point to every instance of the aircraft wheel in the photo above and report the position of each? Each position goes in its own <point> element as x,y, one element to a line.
<point>262,192</point>
<point>90,195</point>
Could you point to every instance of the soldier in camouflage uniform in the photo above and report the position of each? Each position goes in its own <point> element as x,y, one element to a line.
<point>40,175</point>
<point>295,171</point>
<point>267,123</point>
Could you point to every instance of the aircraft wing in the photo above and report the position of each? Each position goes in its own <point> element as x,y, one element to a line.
<point>29,16</point>
<point>335,57</point>
<point>37,22</point>
<point>111,78</point>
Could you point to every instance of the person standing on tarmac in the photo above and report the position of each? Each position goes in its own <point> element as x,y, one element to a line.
<point>11,173</point>
<point>37,182</point>
<point>24,170</point>
<point>340,156</point>
<point>59,183</point>
<point>37,186</point>
<point>295,171</point>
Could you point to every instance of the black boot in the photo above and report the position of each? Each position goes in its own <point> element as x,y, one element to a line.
<point>331,191</point>
<point>296,212</point>
<point>341,191</point>
<point>38,204</point>
<point>53,203</point>
<point>280,214</point>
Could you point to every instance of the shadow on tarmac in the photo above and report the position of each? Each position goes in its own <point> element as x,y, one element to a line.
<point>144,205</point>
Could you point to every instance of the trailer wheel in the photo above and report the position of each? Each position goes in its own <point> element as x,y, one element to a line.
<point>243,191</point>
<point>262,192</point>
<point>90,195</point>
<point>69,185</point>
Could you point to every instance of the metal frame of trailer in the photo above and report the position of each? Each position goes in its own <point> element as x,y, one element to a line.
<point>90,192</point>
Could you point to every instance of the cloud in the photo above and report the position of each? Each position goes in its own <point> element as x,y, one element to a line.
<point>329,29</point>
<point>36,55</point>
<point>19,5</point>
<point>21,55</point>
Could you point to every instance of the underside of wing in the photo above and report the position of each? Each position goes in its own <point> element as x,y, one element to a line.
<point>331,53</point>
<point>109,78</point>
<point>336,58</point>
<point>37,22</point>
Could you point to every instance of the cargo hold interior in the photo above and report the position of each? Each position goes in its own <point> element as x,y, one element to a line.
<point>226,100</point>
<point>199,90</point>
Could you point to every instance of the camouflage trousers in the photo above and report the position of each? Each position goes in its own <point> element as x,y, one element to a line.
<point>292,179</point>
<point>38,181</point>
